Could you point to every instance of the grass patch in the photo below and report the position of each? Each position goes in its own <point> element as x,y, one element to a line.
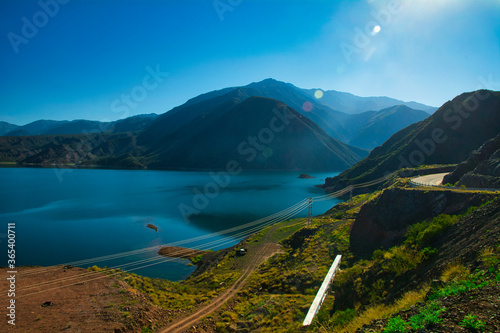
<point>466,283</point>
<point>472,323</point>
<point>378,311</point>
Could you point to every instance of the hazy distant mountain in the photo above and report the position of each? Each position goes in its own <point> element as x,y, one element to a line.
<point>446,137</point>
<point>57,127</point>
<point>133,124</point>
<point>6,127</point>
<point>373,128</point>
<point>349,103</point>
<point>78,126</point>
<point>341,126</point>
<point>37,127</point>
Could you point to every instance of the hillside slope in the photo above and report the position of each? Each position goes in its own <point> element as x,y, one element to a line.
<point>446,137</point>
<point>365,129</point>
<point>440,270</point>
<point>341,126</point>
<point>259,133</point>
<point>6,127</point>
<point>254,134</point>
<point>377,127</point>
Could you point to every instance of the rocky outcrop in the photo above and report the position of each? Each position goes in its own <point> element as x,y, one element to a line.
<point>383,222</point>
<point>481,169</point>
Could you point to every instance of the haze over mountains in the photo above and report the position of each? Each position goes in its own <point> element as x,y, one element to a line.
<point>239,123</point>
<point>350,103</point>
<point>50,127</point>
<point>449,136</point>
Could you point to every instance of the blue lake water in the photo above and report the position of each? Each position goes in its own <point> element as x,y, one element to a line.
<point>62,216</point>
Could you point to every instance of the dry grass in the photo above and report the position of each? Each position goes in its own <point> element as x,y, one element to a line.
<point>489,256</point>
<point>381,311</point>
<point>455,273</point>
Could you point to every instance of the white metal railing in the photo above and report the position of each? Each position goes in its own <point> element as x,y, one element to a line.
<point>413,183</point>
<point>322,292</point>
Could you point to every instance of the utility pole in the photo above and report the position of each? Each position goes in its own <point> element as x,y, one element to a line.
<point>310,212</point>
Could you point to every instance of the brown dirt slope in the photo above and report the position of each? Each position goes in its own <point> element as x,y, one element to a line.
<point>101,305</point>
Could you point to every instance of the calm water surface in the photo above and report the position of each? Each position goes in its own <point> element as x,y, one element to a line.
<point>82,213</point>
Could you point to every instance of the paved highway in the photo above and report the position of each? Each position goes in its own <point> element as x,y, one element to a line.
<point>434,179</point>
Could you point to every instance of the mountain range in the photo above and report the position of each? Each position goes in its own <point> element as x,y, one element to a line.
<point>449,136</point>
<point>349,103</point>
<point>213,128</point>
<point>53,127</point>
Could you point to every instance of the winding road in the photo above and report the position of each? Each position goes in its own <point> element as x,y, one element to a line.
<point>430,180</point>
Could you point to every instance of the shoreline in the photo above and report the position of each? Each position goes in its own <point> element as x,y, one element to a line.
<point>104,167</point>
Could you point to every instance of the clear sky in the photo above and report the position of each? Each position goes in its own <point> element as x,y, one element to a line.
<point>80,59</point>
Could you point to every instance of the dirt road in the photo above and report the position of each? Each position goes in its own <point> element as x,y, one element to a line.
<point>257,256</point>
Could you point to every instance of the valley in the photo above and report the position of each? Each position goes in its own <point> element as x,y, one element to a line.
<point>261,126</point>
<point>252,166</point>
<point>420,245</point>
<point>449,251</point>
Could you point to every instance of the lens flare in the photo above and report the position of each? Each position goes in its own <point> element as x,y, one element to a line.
<point>307,106</point>
<point>318,94</point>
<point>376,30</point>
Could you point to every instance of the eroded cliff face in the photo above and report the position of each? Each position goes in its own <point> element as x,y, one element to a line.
<point>485,175</point>
<point>383,222</point>
<point>481,169</point>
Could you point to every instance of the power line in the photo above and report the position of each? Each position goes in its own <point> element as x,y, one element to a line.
<point>253,227</point>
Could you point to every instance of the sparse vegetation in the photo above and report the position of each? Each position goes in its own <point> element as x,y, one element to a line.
<point>472,323</point>
<point>396,325</point>
<point>277,296</point>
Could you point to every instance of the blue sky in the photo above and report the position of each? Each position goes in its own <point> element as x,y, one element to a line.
<point>75,59</point>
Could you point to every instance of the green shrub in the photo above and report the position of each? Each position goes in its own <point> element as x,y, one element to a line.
<point>424,233</point>
<point>459,287</point>
<point>196,259</point>
<point>401,259</point>
<point>396,325</point>
<point>427,317</point>
<point>472,323</point>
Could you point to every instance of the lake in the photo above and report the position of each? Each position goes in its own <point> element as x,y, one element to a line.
<point>62,216</point>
